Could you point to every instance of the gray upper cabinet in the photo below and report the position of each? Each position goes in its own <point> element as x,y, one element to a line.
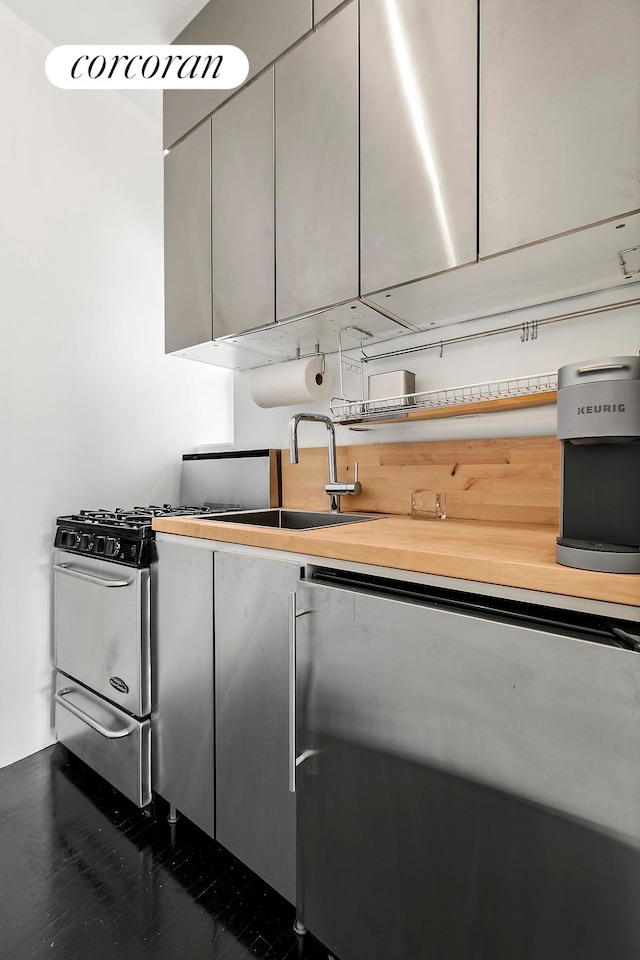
<point>560,108</point>
<point>187,241</point>
<point>243,215</point>
<point>317,169</point>
<point>263,29</point>
<point>418,130</point>
<point>219,223</point>
<point>322,9</point>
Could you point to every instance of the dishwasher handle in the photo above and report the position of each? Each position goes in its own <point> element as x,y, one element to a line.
<point>629,641</point>
<point>60,698</point>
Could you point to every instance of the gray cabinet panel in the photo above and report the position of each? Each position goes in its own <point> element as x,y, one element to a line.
<point>317,169</point>
<point>255,813</point>
<point>560,108</point>
<point>418,138</point>
<point>263,30</point>
<point>187,241</point>
<point>182,718</point>
<point>322,9</point>
<point>243,214</point>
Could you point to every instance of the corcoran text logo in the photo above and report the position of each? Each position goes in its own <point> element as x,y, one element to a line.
<point>147,67</point>
<point>603,408</point>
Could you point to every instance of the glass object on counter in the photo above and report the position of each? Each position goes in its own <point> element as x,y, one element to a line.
<point>428,505</point>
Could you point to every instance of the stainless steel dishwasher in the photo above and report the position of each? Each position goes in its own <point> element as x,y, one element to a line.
<point>468,776</point>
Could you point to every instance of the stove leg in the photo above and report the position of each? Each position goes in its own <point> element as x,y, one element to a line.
<point>172,816</point>
<point>299,927</point>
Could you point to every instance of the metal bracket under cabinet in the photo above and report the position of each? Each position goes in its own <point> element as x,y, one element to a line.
<point>630,261</point>
<point>353,323</point>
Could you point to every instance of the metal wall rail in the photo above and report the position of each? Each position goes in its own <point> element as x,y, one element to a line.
<point>528,331</point>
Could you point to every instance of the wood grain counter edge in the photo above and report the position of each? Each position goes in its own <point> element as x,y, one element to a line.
<point>510,555</point>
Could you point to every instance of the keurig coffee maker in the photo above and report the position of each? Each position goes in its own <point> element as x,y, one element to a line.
<point>599,424</point>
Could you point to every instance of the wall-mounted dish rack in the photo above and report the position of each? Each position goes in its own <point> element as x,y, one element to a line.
<point>507,394</point>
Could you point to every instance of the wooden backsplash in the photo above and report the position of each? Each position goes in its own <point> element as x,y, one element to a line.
<point>514,480</point>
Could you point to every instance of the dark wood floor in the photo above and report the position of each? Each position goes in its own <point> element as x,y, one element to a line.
<point>85,875</point>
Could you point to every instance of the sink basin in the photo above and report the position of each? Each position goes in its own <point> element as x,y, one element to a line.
<point>291,519</point>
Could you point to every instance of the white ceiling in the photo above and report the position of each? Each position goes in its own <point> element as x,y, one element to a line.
<point>109,21</point>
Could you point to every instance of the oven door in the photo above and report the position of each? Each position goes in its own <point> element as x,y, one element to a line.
<point>114,744</point>
<point>101,628</point>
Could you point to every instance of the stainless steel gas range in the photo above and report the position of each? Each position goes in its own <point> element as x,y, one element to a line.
<point>102,640</point>
<point>102,613</point>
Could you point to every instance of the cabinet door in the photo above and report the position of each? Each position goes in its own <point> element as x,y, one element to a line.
<point>243,215</point>
<point>264,30</point>
<point>418,143</point>
<point>187,241</point>
<point>255,813</point>
<point>322,9</point>
<point>182,656</point>
<point>560,109</point>
<point>317,169</point>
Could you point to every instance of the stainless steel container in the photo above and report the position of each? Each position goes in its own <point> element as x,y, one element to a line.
<point>396,383</point>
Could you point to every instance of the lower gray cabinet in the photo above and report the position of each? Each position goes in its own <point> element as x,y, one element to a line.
<point>182,681</point>
<point>255,812</point>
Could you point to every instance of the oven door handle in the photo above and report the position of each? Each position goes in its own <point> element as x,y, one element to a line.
<point>87,718</point>
<point>92,578</point>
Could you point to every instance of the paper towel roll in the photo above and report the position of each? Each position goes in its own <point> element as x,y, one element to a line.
<point>293,382</point>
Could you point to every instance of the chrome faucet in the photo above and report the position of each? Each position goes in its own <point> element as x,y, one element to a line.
<point>333,488</point>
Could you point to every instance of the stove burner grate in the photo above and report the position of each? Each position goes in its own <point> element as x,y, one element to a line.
<point>123,536</point>
<point>139,517</point>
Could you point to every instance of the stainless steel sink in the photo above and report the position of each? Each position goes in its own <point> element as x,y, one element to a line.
<point>291,519</point>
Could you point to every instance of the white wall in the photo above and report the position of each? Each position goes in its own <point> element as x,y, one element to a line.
<point>601,335</point>
<point>91,411</point>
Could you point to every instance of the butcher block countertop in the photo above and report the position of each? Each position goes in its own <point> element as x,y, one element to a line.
<point>513,555</point>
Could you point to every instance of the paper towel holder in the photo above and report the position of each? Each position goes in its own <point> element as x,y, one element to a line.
<point>297,380</point>
<point>316,353</point>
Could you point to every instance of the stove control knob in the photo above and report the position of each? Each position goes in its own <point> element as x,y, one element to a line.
<point>86,541</point>
<point>100,544</point>
<point>113,546</point>
<point>70,539</point>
